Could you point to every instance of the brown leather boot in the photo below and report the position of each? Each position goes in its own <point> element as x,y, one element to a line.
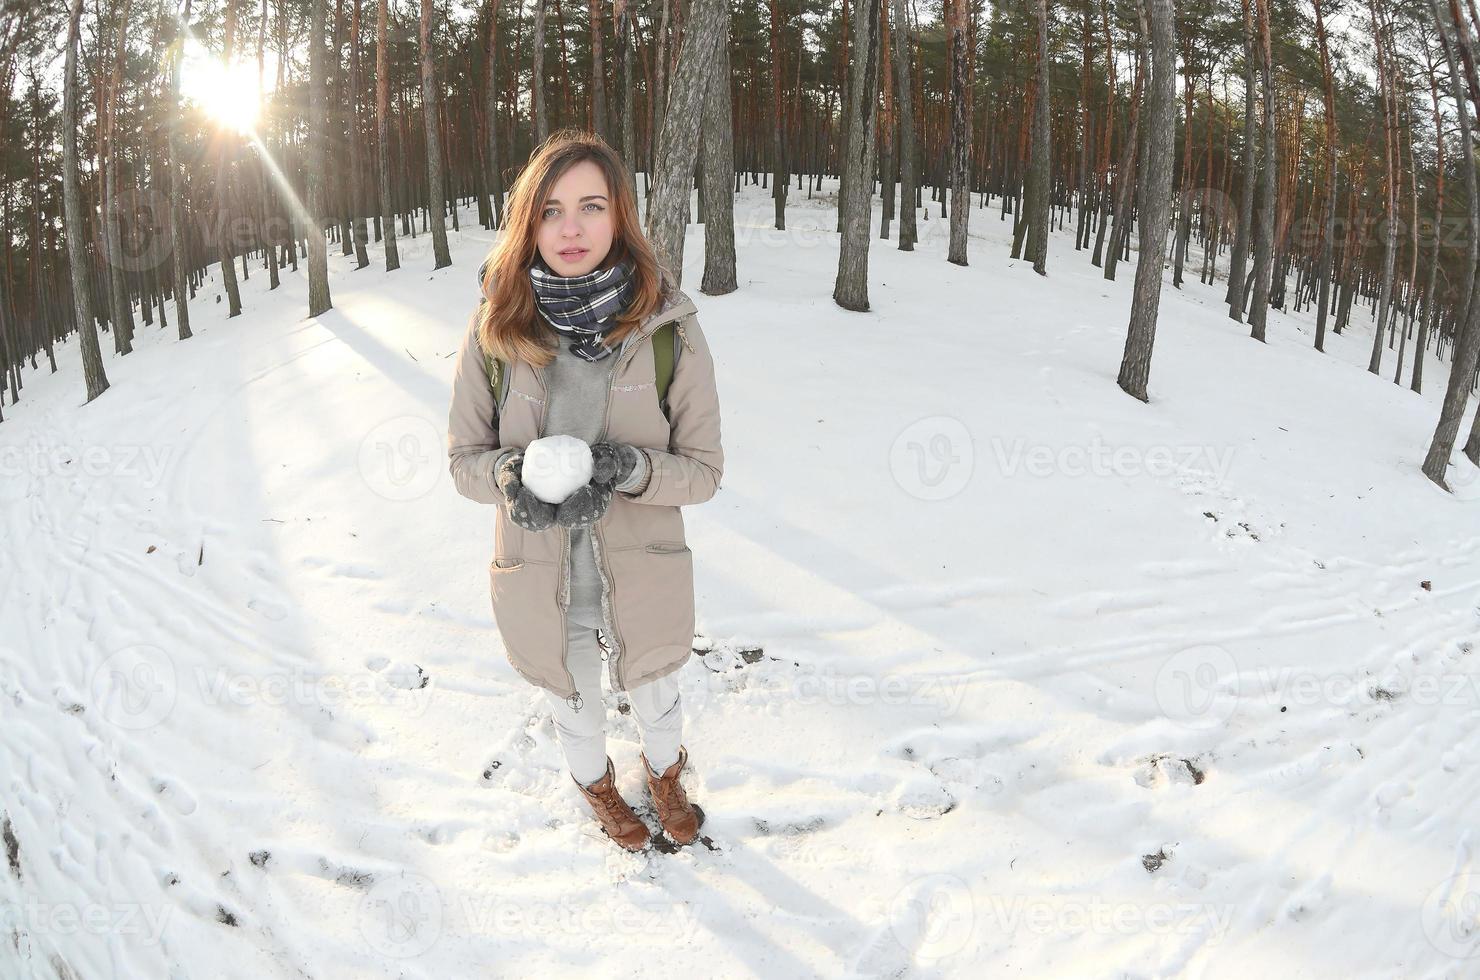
<point>680,818</point>
<point>616,817</point>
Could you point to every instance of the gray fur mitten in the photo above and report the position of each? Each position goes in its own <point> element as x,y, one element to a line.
<point>612,462</point>
<point>525,509</point>
<point>584,507</point>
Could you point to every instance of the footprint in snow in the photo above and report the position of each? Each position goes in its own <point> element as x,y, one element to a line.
<point>966,772</point>
<point>1170,769</point>
<point>407,677</point>
<point>952,759</point>
<point>930,919</point>
<point>347,877</point>
<point>1307,903</point>
<point>923,798</point>
<point>267,608</point>
<point>179,798</point>
<point>435,835</point>
<point>501,841</point>
<point>1153,862</point>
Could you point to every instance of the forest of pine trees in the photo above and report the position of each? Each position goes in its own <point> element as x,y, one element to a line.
<point>1309,153</point>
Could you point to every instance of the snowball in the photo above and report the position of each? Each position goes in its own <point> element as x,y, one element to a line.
<point>556,467</point>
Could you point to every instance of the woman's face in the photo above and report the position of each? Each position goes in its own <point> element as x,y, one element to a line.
<point>574,228</point>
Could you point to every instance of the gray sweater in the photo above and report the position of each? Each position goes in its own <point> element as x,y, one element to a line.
<point>576,393</point>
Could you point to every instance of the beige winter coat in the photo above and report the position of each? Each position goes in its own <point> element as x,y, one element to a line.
<point>646,567</point>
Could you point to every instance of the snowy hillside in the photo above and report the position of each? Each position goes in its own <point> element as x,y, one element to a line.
<point>1052,683</point>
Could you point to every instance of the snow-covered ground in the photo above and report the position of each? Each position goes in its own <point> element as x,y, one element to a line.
<point>1054,682</point>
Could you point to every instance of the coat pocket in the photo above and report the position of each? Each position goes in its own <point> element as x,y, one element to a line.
<point>529,618</point>
<point>654,600</point>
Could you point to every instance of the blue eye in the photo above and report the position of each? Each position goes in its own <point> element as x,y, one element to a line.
<point>589,204</point>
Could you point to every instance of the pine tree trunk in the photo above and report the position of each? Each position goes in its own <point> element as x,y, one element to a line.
<point>779,179</point>
<point>1184,207</point>
<point>1264,230</point>
<point>87,330</point>
<point>845,81</point>
<point>319,300</point>
<point>1125,176</point>
<point>658,102</point>
<point>907,190</point>
<point>495,173</point>
<point>627,80</point>
<point>1390,195</point>
<point>1040,178</point>
<point>718,174</point>
<point>958,150</point>
<point>436,190</point>
<point>1328,221</point>
<point>1102,183</point>
<point>1238,260</point>
<point>226,138</point>
<point>678,148</point>
<point>598,72</point>
<point>356,149</point>
<point>537,74</point>
<point>1467,330</point>
<point>174,187</point>
<point>1155,211</point>
<point>1428,304</point>
<point>113,255</point>
<point>851,289</point>
<point>383,136</point>
<point>338,203</point>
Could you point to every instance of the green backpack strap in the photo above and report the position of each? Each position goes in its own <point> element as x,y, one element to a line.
<point>665,352</point>
<point>498,378</point>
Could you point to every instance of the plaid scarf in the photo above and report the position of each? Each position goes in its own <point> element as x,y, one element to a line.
<point>582,308</point>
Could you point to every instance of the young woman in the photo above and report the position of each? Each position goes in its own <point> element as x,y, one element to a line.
<point>573,299</point>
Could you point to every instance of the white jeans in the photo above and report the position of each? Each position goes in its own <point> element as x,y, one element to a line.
<point>581,731</point>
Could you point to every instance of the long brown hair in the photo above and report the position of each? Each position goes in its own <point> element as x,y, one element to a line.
<point>509,325</point>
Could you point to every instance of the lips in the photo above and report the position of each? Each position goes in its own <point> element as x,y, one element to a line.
<point>574,253</point>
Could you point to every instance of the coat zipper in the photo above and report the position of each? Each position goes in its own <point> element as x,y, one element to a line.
<point>563,596</point>
<point>608,611</point>
<point>614,658</point>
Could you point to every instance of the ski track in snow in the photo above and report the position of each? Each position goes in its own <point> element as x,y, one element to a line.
<point>904,773</point>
